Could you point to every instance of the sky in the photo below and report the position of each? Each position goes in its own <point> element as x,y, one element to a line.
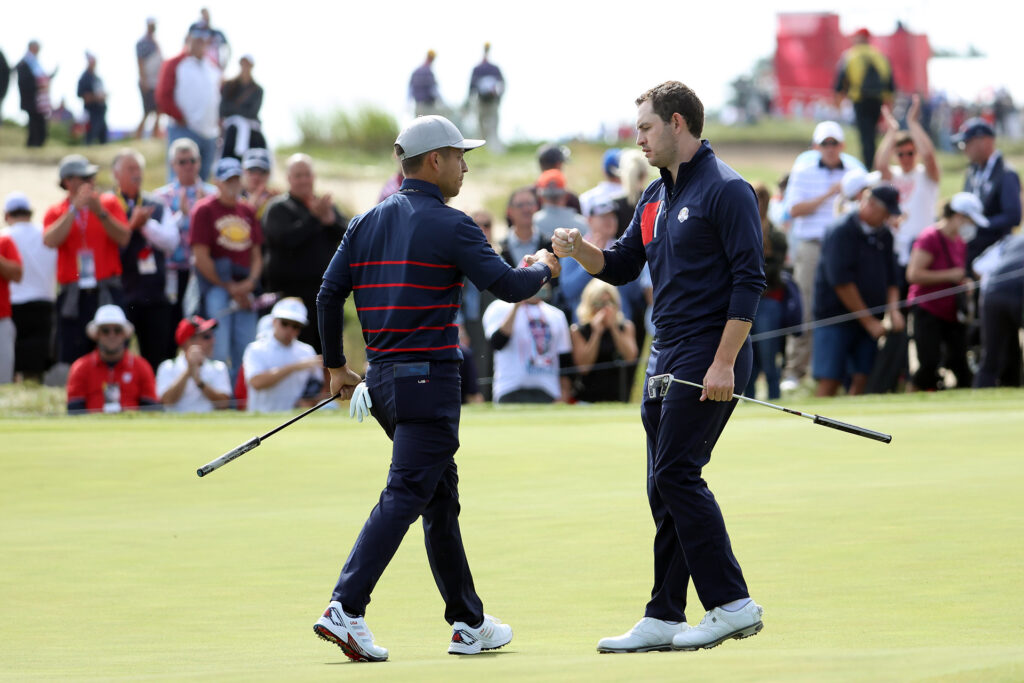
<point>570,67</point>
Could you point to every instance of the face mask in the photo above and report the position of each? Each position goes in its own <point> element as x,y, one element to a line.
<point>968,231</point>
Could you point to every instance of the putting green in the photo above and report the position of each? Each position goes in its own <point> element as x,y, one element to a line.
<point>873,562</point>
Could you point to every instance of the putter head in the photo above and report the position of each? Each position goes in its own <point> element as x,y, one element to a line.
<point>657,385</point>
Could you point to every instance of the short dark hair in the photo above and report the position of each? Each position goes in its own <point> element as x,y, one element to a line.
<point>904,138</point>
<point>672,97</point>
<point>414,164</point>
<point>947,210</point>
<point>20,213</point>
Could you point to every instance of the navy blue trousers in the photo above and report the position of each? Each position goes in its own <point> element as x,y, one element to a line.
<point>418,405</point>
<point>690,538</point>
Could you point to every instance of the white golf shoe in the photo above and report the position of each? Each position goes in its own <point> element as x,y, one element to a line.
<point>648,635</point>
<point>718,626</point>
<point>350,634</point>
<point>491,635</point>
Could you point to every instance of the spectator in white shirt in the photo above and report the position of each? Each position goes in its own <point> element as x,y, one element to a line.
<point>814,182</point>
<point>282,372</point>
<point>196,99</point>
<point>192,382</point>
<point>916,175</point>
<point>32,298</point>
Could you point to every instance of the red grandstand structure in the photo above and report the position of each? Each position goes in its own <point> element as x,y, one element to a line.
<point>809,45</point>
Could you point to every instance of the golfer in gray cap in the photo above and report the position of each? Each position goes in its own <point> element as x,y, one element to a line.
<point>404,261</point>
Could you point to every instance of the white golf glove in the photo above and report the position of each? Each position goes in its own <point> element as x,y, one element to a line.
<point>360,404</point>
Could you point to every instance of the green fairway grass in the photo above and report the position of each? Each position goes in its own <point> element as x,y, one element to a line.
<point>873,562</point>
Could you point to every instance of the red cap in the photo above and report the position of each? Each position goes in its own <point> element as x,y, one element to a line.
<point>862,33</point>
<point>190,327</point>
<point>551,179</point>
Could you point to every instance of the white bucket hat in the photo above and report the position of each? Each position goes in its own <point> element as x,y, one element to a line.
<point>108,314</point>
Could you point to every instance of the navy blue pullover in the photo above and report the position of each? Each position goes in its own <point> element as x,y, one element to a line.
<point>702,239</point>
<point>405,261</point>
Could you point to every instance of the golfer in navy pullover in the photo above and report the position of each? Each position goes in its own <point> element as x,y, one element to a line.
<point>699,229</point>
<point>404,262</point>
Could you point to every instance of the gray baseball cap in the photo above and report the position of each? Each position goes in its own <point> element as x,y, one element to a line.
<point>76,166</point>
<point>428,133</point>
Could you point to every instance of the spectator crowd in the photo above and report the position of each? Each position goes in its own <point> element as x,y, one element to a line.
<point>202,294</point>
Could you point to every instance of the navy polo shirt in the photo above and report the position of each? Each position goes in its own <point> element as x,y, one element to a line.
<point>404,262</point>
<point>850,253</point>
<point>702,239</point>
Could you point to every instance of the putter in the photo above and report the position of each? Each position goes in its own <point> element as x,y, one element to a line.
<point>658,386</point>
<point>255,441</point>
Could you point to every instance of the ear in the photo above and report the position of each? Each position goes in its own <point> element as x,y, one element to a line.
<point>434,159</point>
<point>679,122</point>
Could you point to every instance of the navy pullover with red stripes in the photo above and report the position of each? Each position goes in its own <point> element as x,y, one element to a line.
<point>404,262</point>
<point>702,238</point>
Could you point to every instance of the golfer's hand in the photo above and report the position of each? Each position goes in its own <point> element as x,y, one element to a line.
<point>547,258</point>
<point>718,383</point>
<point>344,381</point>
<point>361,404</point>
<point>565,241</point>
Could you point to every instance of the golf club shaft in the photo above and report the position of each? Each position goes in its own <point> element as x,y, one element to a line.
<point>817,419</point>
<point>255,441</point>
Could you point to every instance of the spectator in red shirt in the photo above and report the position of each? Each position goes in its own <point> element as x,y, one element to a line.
<point>10,271</point>
<point>111,378</point>
<point>87,229</point>
<point>226,243</point>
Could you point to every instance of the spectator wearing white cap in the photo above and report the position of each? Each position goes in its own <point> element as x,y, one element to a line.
<point>10,271</point>
<point>240,100</point>
<point>282,372</point>
<point>87,229</point>
<point>32,297</point>
<point>852,187</point>
<point>110,378</point>
<point>916,175</point>
<point>938,261</point>
<point>193,382</point>
<point>813,182</point>
<point>226,245</point>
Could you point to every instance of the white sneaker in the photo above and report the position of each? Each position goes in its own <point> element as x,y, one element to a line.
<point>648,635</point>
<point>789,384</point>
<point>491,635</point>
<point>718,626</point>
<point>350,634</point>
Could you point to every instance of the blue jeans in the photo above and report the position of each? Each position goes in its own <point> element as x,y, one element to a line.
<point>766,351</point>
<point>207,149</point>
<point>235,329</point>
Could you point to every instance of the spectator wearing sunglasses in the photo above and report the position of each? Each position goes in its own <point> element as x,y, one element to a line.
<point>193,382</point>
<point>814,182</point>
<point>110,378</point>
<point>915,175</point>
<point>282,372</point>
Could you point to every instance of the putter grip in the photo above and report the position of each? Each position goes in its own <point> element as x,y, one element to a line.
<point>229,456</point>
<point>852,429</point>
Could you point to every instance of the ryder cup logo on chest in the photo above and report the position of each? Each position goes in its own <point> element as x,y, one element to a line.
<point>684,213</point>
